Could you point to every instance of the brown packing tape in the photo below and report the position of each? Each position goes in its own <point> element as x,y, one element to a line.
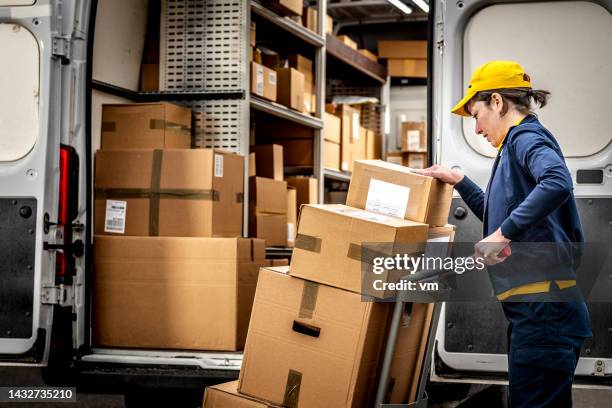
<point>162,124</point>
<point>308,243</point>
<point>358,253</point>
<point>239,197</point>
<point>309,299</point>
<point>292,389</point>
<point>154,199</point>
<point>194,194</point>
<point>109,126</point>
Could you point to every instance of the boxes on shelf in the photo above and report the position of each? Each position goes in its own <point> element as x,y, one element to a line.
<point>226,395</point>
<point>350,133</point>
<point>170,192</point>
<point>396,157</point>
<point>304,65</point>
<point>174,293</point>
<point>414,137</point>
<point>417,160</point>
<point>269,161</point>
<point>291,215</point>
<point>402,49</point>
<point>307,189</point>
<point>348,41</point>
<point>286,360</point>
<point>369,55</point>
<point>145,126</point>
<point>394,190</point>
<point>309,18</point>
<point>288,7</point>
<point>290,91</point>
<point>264,82</point>
<point>328,246</point>
<point>407,68</point>
<point>332,138</point>
<point>149,77</point>
<point>268,210</point>
<point>297,141</point>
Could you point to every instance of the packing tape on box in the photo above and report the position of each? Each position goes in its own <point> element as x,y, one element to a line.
<point>292,389</point>
<point>259,210</point>
<point>310,292</point>
<point>308,243</point>
<point>158,155</point>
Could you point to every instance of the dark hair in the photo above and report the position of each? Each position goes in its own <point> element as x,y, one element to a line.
<point>520,98</point>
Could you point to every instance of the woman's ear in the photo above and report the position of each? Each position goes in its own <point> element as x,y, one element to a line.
<point>497,102</point>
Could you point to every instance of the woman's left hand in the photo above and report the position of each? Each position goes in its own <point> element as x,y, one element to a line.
<point>493,249</point>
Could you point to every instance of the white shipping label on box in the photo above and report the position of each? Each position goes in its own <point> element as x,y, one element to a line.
<point>114,220</point>
<point>272,77</point>
<point>290,232</point>
<point>387,198</point>
<point>218,165</point>
<point>414,140</point>
<point>355,126</point>
<point>259,80</point>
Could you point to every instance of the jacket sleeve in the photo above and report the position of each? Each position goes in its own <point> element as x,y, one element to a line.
<point>472,195</point>
<point>538,157</point>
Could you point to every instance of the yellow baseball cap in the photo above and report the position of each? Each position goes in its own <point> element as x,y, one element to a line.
<point>493,75</point>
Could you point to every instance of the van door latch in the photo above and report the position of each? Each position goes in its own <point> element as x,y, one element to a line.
<point>62,48</point>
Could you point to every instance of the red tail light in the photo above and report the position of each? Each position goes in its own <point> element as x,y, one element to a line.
<point>64,185</point>
<point>67,210</point>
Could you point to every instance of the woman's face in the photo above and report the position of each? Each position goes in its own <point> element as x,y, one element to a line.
<point>489,122</point>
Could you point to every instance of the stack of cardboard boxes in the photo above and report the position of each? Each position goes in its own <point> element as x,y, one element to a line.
<point>170,268</point>
<point>313,340</point>
<point>405,58</point>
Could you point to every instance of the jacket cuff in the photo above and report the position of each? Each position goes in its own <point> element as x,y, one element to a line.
<point>509,229</point>
<point>465,186</point>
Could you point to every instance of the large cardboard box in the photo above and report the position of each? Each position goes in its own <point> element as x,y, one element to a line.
<point>402,49</point>
<point>174,293</point>
<point>312,345</point>
<point>394,190</point>
<point>414,137</point>
<point>329,245</point>
<point>269,161</point>
<point>145,126</point>
<point>288,7</point>
<point>291,215</point>
<point>268,210</point>
<point>264,81</point>
<point>307,189</point>
<point>407,68</point>
<point>226,395</point>
<point>170,192</point>
<point>290,90</point>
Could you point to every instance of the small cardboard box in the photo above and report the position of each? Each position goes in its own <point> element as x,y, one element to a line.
<point>414,137</point>
<point>291,215</point>
<point>226,395</point>
<point>269,161</point>
<point>174,293</point>
<point>252,165</point>
<point>369,55</point>
<point>290,91</point>
<point>307,189</point>
<point>407,68</point>
<point>373,145</point>
<point>402,49</point>
<point>332,128</point>
<point>170,192</point>
<point>328,246</point>
<point>268,210</point>
<point>305,66</point>
<point>381,186</point>
<point>309,18</point>
<point>332,155</point>
<point>288,7</point>
<point>272,228</point>
<point>253,35</point>
<point>264,81</point>
<point>348,41</point>
<point>146,126</point>
<point>399,158</point>
<point>349,120</point>
<point>312,345</point>
<point>149,77</point>
<point>417,160</point>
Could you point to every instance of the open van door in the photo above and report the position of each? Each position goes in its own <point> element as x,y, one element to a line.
<point>564,47</point>
<point>41,69</point>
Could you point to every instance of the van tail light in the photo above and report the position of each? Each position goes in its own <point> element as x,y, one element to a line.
<point>67,211</point>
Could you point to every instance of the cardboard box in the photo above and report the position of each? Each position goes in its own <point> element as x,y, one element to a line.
<point>170,192</point>
<point>348,41</point>
<point>305,66</point>
<point>309,18</point>
<point>381,186</point>
<point>291,215</point>
<point>268,210</point>
<point>264,81</point>
<point>329,25</point>
<point>149,77</point>
<point>332,128</point>
<point>373,145</point>
<point>349,134</point>
<point>297,141</point>
<point>407,68</point>
<point>146,126</point>
<point>290,88</point>
<point>312,345</point>
<point>269,161</point>
<point>174,293</point>
<point>417,160</point>
<point>399,158</point>
<point>226,395</point>
<point>331,159</point>
<point>253,35</point>
<point>307,190</point>
<point>328,245</point>
<point>288,7</point>
<point>414,137</point>
<point>368,54</point>
<point>335,197</point>
<point>252,165</point>
<point>277,262</point>
<point>402,49</point>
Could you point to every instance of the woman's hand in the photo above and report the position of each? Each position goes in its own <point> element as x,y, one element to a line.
<point>493,249</point>
<point>442,173</point>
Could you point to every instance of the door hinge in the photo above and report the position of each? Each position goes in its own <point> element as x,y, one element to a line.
<point>56,295</point>
<point>62,47</point>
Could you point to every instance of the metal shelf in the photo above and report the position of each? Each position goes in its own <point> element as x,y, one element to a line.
<point>355,61</point>
<point>283,112</point>
<point>337,175</point>
<point>288,25</point>
<point>162,95</point>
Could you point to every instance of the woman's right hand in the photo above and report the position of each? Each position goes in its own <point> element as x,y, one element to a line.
<point>442,173</point>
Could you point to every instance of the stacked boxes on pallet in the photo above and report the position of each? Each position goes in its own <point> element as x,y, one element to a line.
<point>314,338</point>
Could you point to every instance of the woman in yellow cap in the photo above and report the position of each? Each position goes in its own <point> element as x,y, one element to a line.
<point>529,198</point>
